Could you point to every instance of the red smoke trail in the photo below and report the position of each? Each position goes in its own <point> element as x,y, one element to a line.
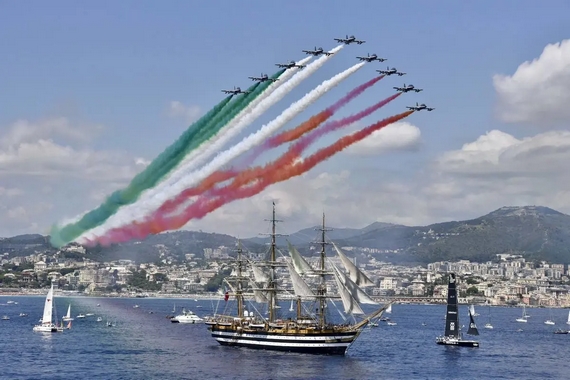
<point>296,150</point>
<point>235,190</point>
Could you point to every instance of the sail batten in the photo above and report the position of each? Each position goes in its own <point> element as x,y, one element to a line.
<point>356,275</point>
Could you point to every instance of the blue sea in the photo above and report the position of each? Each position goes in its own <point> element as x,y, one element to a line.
<point>144,344</point>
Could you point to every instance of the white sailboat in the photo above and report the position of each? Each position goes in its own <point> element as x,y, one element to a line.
<point>472,311</point>
<point>524,316</point>
<point>549,321</point>
<point>568,321</point>
<point>47,324</point>
<point>488,325</point>
<point>68,316</point>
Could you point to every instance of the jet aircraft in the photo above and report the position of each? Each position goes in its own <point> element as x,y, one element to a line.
<point>235,91</point>
<point>370,58</point>
<point>348,40</point>
<point>390,71</point>
<point>408,88</point>
<point>289,65</point>
<point>263,78</point>
<point>317,52</point>
<point>419,107</point>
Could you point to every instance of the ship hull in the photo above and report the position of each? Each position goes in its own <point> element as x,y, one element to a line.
<point>334,343</point>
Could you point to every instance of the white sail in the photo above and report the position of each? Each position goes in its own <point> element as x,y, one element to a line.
<point>351,306</point>
<point>301,265</point>
<point>48,307</point>
<point>258,274</point>
<point>389,309</point>
<point>260,296</point>
<point>358,294</point>
<point>568,321</point>
<point>299,285</point>
<point>68,315</point>
<point>356,275</point>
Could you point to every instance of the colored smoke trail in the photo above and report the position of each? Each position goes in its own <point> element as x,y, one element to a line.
<point>294,134</point>
<point>61,235</point>
<point>149,200</point>
<point>268,175</point>
<point>127,215</point>
<point>243,176</point>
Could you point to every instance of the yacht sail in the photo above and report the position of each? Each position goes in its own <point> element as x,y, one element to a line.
<point>452,335</point>
<point>47,324</point>
<point>472,326</point>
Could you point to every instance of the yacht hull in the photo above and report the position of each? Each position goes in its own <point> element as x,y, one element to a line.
<point>458,342</point>
<point>333,343</point>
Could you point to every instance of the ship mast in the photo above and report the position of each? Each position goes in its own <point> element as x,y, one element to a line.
<point>273,263</point>
<point>239,291</point>
<point>322,290</point>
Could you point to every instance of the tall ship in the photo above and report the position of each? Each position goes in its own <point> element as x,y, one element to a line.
<point>309,327</point>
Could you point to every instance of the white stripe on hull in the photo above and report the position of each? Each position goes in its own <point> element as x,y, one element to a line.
<point>282,337</point>
<point>279,344</point>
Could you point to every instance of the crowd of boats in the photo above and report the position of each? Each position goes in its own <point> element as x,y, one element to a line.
<point>309,329</point>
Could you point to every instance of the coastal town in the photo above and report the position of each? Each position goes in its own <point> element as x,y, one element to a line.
<point>508,280</point>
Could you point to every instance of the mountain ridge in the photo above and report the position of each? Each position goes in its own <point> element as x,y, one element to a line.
<point>536,232</point>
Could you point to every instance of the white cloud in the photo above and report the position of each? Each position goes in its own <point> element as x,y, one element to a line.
<point>49,160</point>
<point>25,131</point>
<point>495,170</point>
<point>189,113</point>
<point>397,136</point>
<point>539,91</point>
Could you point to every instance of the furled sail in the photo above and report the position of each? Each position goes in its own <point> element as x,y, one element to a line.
<point>301,265</point>
<point>356,275</point>
<point>299,285</point>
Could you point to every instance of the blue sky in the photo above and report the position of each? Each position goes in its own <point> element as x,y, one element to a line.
<point>112,69</point>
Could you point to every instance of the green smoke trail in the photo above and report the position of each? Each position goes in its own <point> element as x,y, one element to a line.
<point>224,118</point>
<point>195,135</point>
<point>62,236</point>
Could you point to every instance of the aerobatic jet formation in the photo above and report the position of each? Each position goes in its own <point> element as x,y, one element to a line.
<point>317,52</point>
<point>391,71</point>
<point>235,91</point>
<point>289,65</point>
<point>408,88</point>
<point>263,78</point>
<point>349,40</point>
<point>370,58</point>
<point>419,107</point>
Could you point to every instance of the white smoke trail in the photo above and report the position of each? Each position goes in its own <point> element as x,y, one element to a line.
<point>199,155</point>
<point>225,157</point>
<point>242,120</point>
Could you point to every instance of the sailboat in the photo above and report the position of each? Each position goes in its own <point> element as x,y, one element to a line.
<point>309,331</point>
<point>68,317</point>
<point>47,324</point>
<point>472,311</point>
<point>452,335</point>
<point>549,321</point>
<point>488,325</point>
<point>568,321</point>
<point>524,317</point>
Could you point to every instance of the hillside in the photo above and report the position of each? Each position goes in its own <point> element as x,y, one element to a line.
<point>533,231</point>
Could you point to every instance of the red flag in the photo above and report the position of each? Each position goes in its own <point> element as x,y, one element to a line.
<point>227,296</point>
